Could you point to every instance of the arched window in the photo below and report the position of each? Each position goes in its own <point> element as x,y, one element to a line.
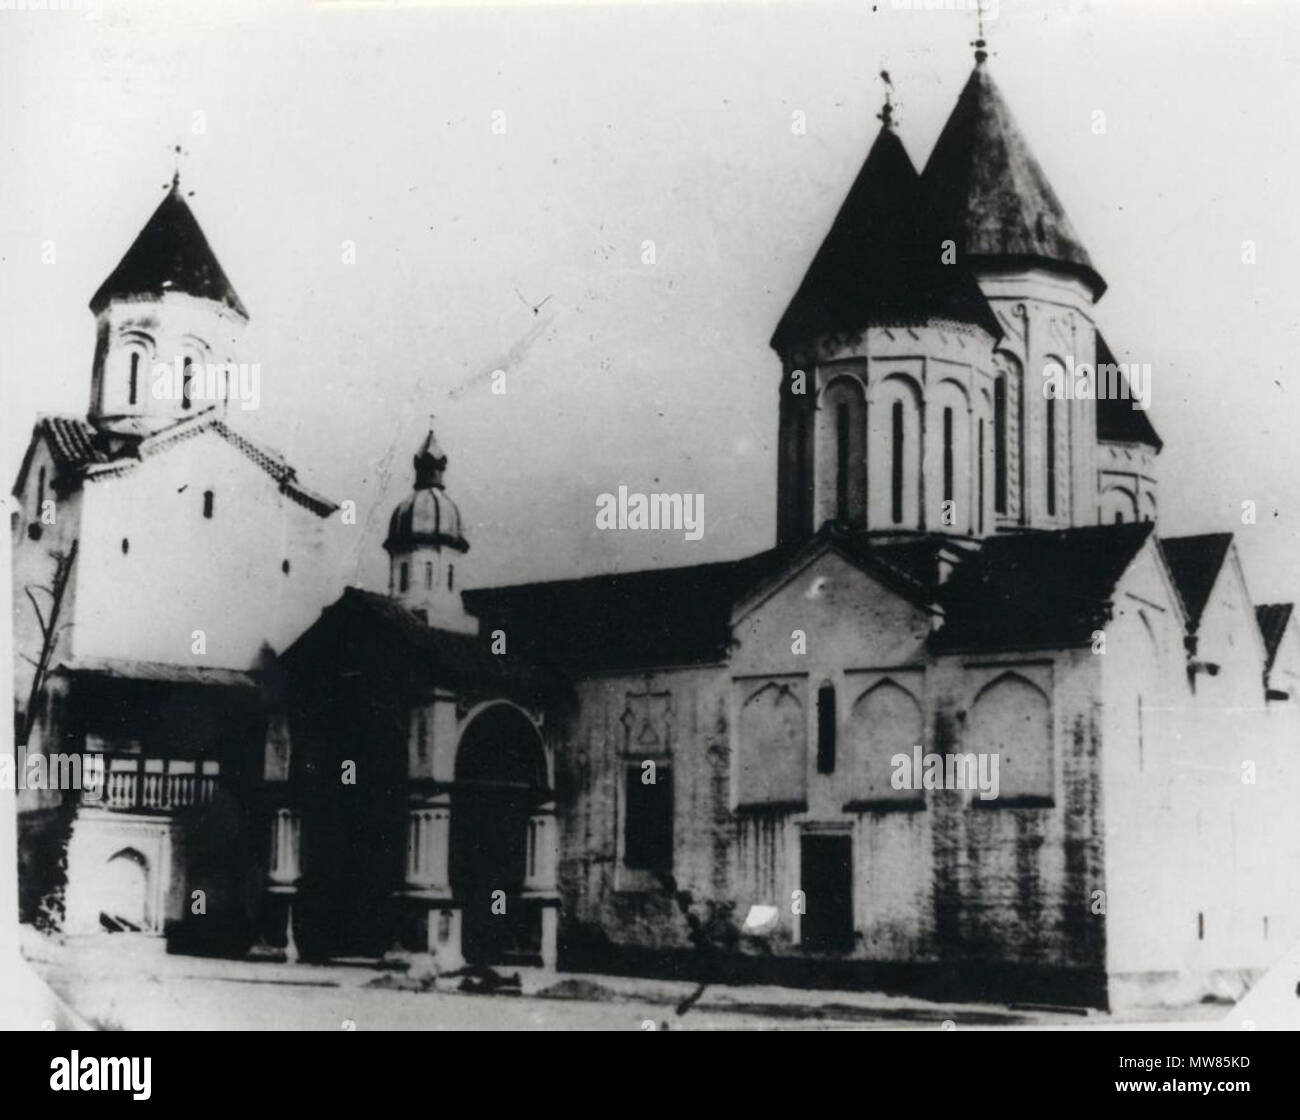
<point>1000,444</point>
<point>896,464</point>
<point>885,721</point>
<point>1050,452</point>
<point>843,430</point>
<point>187,379</point>
<point>40,491</point>
<point>207,504</point>
<point>826,729</point>
<point>404,576</point>
<point>133,387</point>
<point>981,470</point>
<point>947,454</point>
<point>842,462</point>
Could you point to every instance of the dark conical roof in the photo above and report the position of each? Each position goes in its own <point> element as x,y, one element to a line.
<point>989,187</point>
<point>882,261</point>
<point>170,254</point>
<point>1117,419</point>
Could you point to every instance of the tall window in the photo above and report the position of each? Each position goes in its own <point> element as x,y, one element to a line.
<point>404,576</point>
<point>1000,444</point>
<point>897,466</point>
<point>451,575</point>
<point>135,377</point>
<point>826,729</point>
<point>207,504</point>
<point>1051,457</point>
<point>421,735</point>
<point>187,379</point>
<point>842,462</point>
<point>981,487</point>
<point>947,454</point>
<point>40,491</point>
<point>648,821</point>
<point>428,575</point>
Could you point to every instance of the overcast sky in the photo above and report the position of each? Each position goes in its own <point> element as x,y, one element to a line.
<point>625,124</point>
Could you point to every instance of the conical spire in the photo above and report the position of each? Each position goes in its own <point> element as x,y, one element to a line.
<point>170,254</point>
<point>991,192</point>
<point>882,263</point>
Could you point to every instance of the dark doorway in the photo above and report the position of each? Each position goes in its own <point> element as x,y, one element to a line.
<point>826,878</point>
<point>500,777</point>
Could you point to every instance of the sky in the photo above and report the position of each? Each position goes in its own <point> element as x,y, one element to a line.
<point>481,247</point>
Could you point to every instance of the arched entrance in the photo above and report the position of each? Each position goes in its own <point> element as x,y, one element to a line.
<point>124,892</point>
<point>500,779</point>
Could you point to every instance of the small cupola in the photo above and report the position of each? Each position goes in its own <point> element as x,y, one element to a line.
<point>426,543</point>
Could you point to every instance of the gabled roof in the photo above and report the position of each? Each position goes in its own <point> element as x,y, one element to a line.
<point>122,669</point>
<point>1117,420</point>
<point>1194,562</point>
<point>993,194</point>
<point>170,254</point>
<point>82,452</point>
<point>882,264</point>
<point>1272,619</point>
<point>1036,589</point>
<point>371,633</point>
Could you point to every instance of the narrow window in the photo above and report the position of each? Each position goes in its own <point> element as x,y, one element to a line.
<point>801,467</point>
<point>1051,457</point>
<point>898,462</point>
<point>421,735</point>
<point>981,468</point>
<point>1000,445</point>
<point>947,454</point>
<point>1119,517</point>
<point>284,566</point>
<point>451,572</point>
<point>648,825</point>
<point>187,376</point>
<point>404,577</point>
<point>826,729</point>
<point>428,575</point>
<point>842,462</point>
<point>40,491</point>
<point>1200,925</point>
<point>207,504</point>
<point>135,377</point>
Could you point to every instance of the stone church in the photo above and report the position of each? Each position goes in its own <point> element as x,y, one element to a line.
<point>695,770</point>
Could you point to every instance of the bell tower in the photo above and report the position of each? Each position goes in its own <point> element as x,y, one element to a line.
<point>164,318</point>
<point>426,543</point>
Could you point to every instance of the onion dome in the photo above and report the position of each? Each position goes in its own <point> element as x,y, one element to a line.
<point>428,518</point>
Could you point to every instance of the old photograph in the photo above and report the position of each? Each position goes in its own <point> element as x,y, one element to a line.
<point>650,516</point>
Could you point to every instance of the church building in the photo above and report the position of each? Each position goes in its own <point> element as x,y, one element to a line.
<point>970,727</point>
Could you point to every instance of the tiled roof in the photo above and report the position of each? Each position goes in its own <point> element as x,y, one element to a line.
<point>997,201</point>
<point>81,451</point>
<point>1036,589</point>
<point>882,262</point>
<point>1194,563</point>
<point>113,668</point>
<point>370,633</point>
<point>1272,619</point>
<point>1117,420</point>
<point>169,254</point>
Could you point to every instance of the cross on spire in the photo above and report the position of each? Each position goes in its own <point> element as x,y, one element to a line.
<point>886,114</point>
<point>177,153</point>
<point>980,45</point>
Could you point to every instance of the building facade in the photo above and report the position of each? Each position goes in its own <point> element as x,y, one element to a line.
<point>971,727</point>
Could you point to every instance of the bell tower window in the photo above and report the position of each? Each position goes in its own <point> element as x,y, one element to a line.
<point>1000,444</point>
<point>842,462</point>
<point>896,472</point>
<point>133,386</point>
<point>187,379</point>
<point>1051,457</point>
<point>947,454</point>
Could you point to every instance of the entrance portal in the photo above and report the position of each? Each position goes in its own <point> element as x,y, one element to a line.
<point>500,778</point>
<point>826,878</point>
